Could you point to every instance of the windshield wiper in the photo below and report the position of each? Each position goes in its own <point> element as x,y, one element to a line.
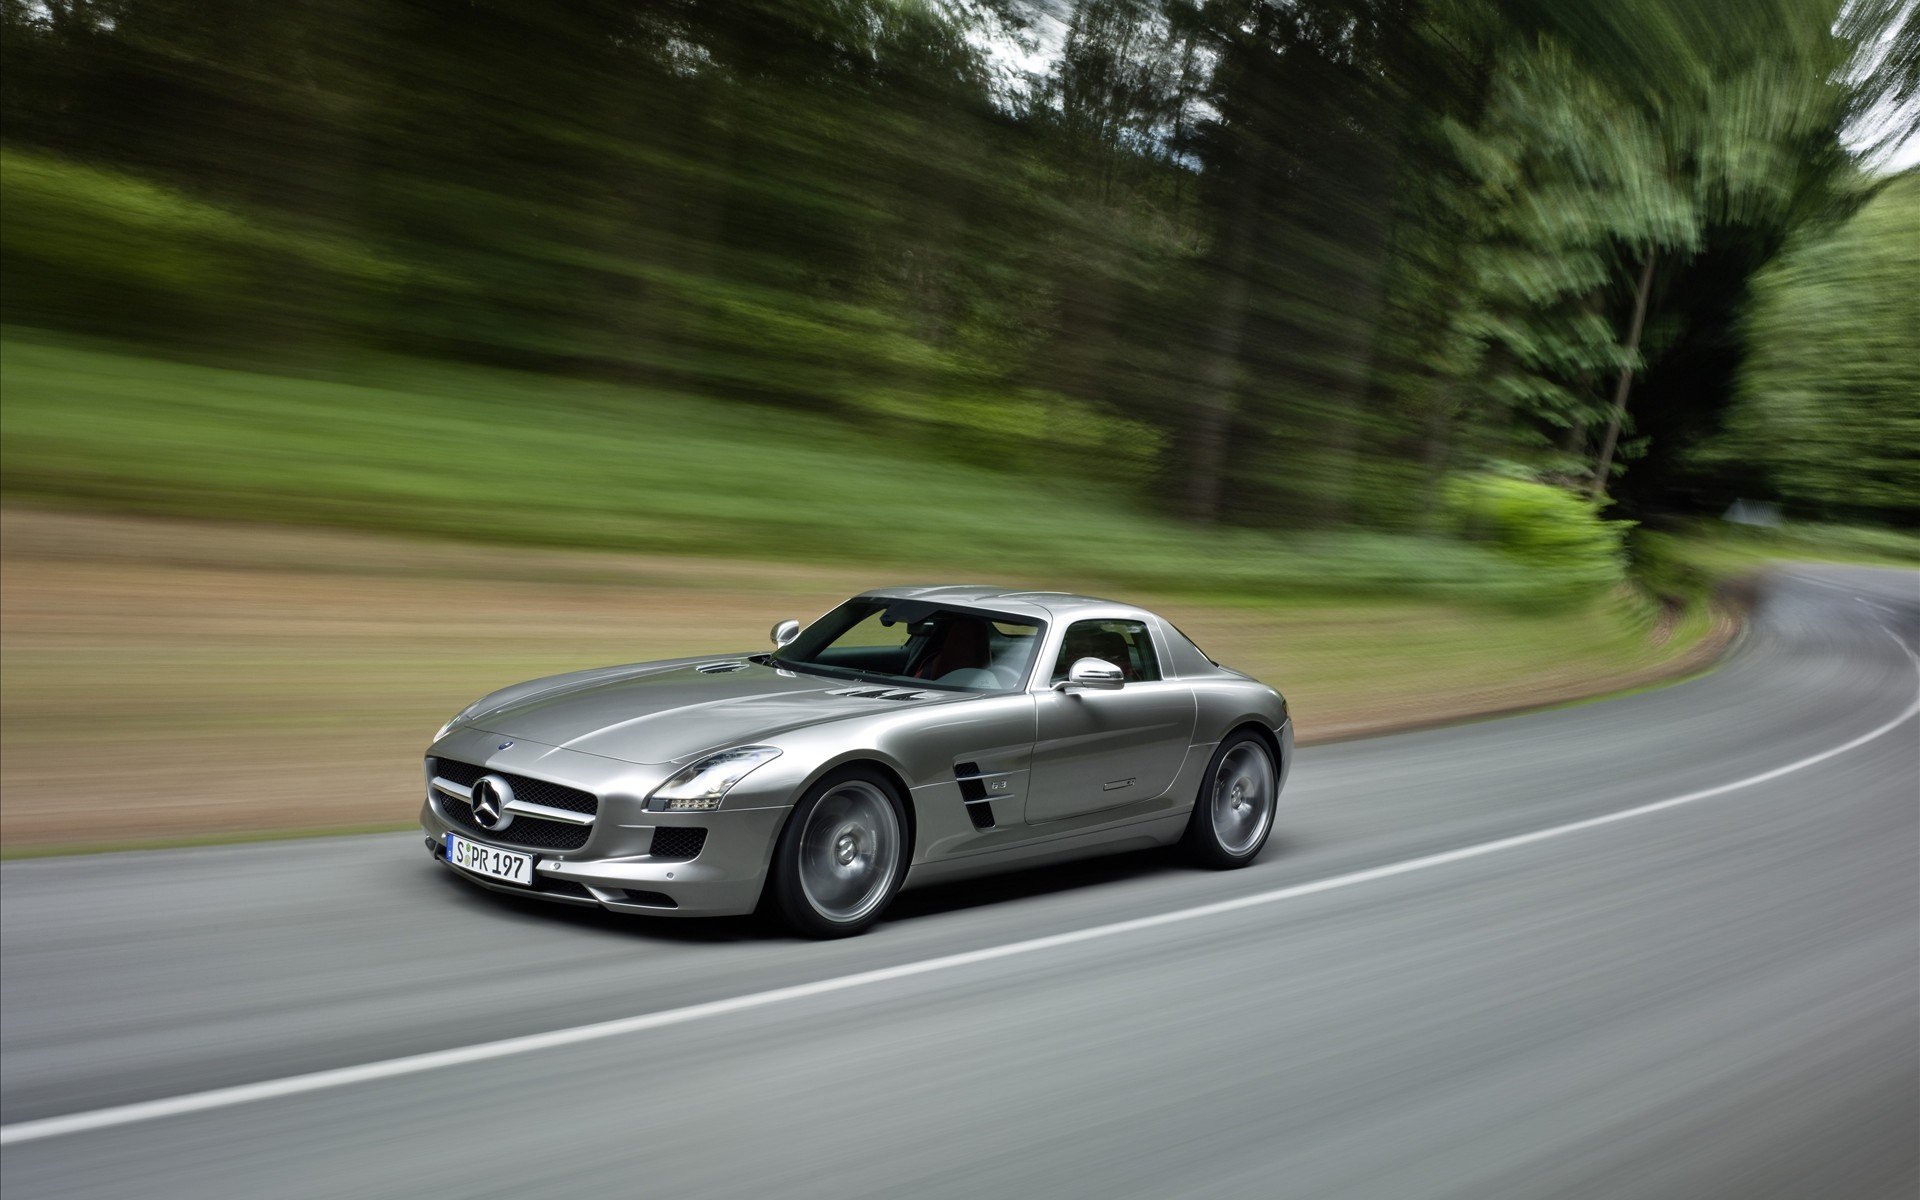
<point>853,673</point>
<point>807,668</point>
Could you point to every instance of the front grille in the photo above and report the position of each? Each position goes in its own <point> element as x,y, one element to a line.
<point>678,841</point>
<point>534,833</point>
<point>539,791</point>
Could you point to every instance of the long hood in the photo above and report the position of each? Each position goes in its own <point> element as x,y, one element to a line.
<point>666,712</point>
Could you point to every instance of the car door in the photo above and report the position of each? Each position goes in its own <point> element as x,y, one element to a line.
<point>1096,750</point>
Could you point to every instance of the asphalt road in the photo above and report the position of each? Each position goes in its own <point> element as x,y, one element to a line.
<point>1715,997</point>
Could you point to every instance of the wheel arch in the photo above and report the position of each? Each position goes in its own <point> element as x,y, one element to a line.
<point>1266,734</point>
<point>883,765</point>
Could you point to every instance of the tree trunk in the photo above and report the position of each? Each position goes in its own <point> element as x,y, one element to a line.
<point>1625,382</point>
<point>1219,380</point>
<point>1435,450</point>
<point>1368,232</point>
<point>1180,100</point>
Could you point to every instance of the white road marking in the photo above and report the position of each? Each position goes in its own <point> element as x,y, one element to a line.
<point>414,1064</point>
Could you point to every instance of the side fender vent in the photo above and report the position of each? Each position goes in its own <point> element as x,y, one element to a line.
<point>974,793</point>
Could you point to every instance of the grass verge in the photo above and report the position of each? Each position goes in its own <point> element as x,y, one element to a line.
<point>175,682</point>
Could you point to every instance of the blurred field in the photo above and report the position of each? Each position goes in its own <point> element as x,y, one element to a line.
<point>173,679</point>
<point>411,446</point>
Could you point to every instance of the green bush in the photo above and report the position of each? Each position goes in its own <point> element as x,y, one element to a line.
<point>1547,528</point>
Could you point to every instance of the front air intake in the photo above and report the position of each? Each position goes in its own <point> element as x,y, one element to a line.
<point>679,842</point>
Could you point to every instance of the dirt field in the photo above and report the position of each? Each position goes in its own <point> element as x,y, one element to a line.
<point>178,680</point>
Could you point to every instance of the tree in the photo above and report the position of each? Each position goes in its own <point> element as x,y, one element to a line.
<point>1828,415</point>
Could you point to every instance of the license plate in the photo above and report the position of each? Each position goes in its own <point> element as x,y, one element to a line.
<point>510,865</point>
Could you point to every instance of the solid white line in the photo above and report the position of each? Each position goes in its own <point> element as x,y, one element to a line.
<point>413,1064</point>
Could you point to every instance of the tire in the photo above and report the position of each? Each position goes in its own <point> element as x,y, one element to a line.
<point>841,856</point>
<point>1229,828</point>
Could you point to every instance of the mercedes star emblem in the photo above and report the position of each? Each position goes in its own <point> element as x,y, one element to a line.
<point>490,799</point>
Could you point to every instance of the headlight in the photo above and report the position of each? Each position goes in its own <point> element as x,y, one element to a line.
<point>701,786</point>
<point>458,717</point>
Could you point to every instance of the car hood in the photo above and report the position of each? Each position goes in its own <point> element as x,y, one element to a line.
<point>666,712</point>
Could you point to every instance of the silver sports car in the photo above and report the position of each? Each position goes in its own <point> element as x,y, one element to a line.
<point>912,735</point>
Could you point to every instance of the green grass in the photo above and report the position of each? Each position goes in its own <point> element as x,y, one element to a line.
<point>497,456</point>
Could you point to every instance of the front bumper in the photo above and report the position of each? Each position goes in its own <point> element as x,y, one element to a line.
<point>614,868</point>
<point>724,879</point>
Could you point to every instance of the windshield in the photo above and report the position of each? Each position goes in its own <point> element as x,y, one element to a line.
<point>908,641</point>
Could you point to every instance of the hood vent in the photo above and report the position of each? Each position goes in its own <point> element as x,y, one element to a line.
<point>720,668</point>
<point>879,693</point>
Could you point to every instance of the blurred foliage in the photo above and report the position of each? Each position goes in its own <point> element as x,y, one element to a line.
<point>1542,526</point>
<point>92,246</point>
<point>1276,265</point>
<point>1828,417</point>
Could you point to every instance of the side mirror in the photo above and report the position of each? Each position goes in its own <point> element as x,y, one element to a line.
<point>1094,675</point>
<point>785,632</point>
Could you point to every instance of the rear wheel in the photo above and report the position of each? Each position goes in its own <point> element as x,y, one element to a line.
<point>1233,814</point>
<point>841,857</point>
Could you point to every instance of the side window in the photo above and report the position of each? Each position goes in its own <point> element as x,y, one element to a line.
<point>1125,644</point>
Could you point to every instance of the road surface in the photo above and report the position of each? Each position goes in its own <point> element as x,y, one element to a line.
<point>1661,946</point>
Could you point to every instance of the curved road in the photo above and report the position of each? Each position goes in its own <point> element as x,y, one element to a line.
<point>1661,946</point>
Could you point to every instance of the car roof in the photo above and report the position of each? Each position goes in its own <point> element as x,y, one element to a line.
<point>1015,602</point>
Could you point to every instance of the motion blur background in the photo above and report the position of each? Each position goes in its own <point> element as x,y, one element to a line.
<point>360,357</point>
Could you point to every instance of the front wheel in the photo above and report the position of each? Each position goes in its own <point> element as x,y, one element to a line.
<point>841,857</point>
<point>1233,814</point>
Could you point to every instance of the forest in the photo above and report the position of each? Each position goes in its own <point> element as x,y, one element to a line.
<point>1399,266</point>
